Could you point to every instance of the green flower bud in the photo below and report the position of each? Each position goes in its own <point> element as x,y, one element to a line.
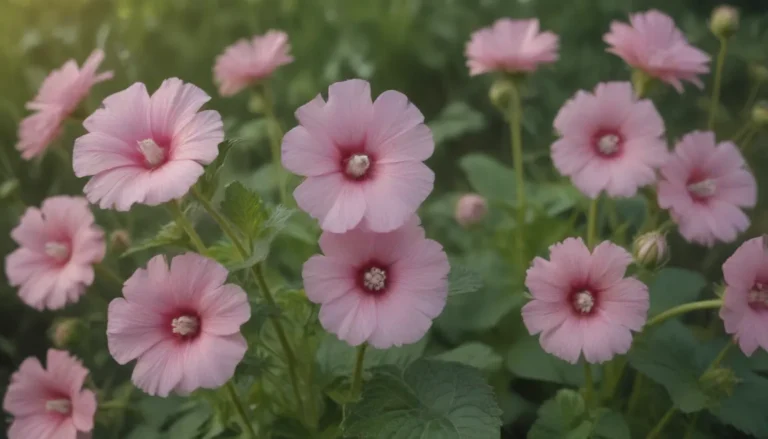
<point>725,21</point>
<point>650,250</point>
<point>8,188</point>
<point>760,114</point>
<point>759,72</point>
<point>119,241</point>
<point>501,93</point>
<point>718,383</point>
<point>64,332</point>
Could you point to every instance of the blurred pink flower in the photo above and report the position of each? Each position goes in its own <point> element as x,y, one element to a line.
<point>147,150</point>
<point>248,62</point>
<point>510,46</point>
<point>381,288</point>
<point>470,209</point>
<point>59,243</point>
<point>610,141</point>
<point>50,403</point>
<point>59,95</point>
<point>362,160</point>
<point>745,304</point>
<point>38,130</point>
<point>704,185</point>
<point>181,325</point>
<point>582,303</point>
<point>656,46</point>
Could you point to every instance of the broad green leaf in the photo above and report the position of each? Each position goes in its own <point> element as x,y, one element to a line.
<point>243,208</point>
<point>427,400</point>
<point>745,408</point>
<point>489,177</point>
<point>475,354</point>
<point>337,358</point>
<point>188,425</point>
<point>462,280</point>
<point>563,416</point>
<point>454,121</point>
<point>611,425</point>
<point>209,181</point>
<point>674,286</point>
<point>169,235</point>
<point>668,357</point>
<point>527,359</point>
<point>144,432</point>
<point>274,224</point>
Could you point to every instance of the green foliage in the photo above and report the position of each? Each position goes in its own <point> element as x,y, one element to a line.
<point>457,119</point>
<point>169,235</point>
<point>336,358</point>
<point>526,359</point>
<point>672,287</point>
<point>462,280</point>
<point>244,208</point>
<point>478,355</point>
<point>489,178</point>
<point>564,416</point>
<point>428,399</point>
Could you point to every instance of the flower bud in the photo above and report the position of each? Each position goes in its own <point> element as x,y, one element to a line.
<point>760,114</point>
<point>119,241</point>
<point>501,93</point>
<point>64,332</point>
<point>718,383</point>
<point>725,21</point>
<point>471,209</point>
<point>650,250</point>
<point>8,188</point>
<point>759,72</point>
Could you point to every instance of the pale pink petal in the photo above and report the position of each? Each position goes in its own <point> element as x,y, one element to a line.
<point>99,152</point>
<point>199,138</point>
<point>160,369</point>
<point>510,46</point>
<point>248,62</point>
<point>396,193</point>
<point>603,339</point>
<point>626,303</point>
<point>572,256</point>
<point>309,155</point>
<point>352,317</point>
<point>349,111</point>
<point>125,116</point>
<point>397,132</point>
<point>564,340</point>
<point>210,361</point>
<point>742,268</point>
<point>326,278</point>
<point>193,276</point>
<point>173,106</point>
<point>83,410</point>
<point>608,265</point>
<point>40,427</point>
<point>133,329</point>
<point>224,309</point>
<point>352,247</point>
<point>338,204</point>
<point>540,315</point>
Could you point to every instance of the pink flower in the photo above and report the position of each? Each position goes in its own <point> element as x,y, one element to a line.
<point>181,325</point>
<point>745,305</point>
<point>59,243</point>
<point>582,303</point>
<point>704,186</point>
<point>248,62</point>
<point>610,141</point>
<point>362,160</point>
<point>59,95</point>
<point>470,209</point>
<point>510,46</point>
<point>50,403</point>
<point>654,45</point>
<point>381,288</point>
<point>147,150</point>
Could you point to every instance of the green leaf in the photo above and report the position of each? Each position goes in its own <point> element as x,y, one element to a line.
<point>188,425</point>
<point>527,359</point>
<point>462,280</point>
<point>611,425</point>
<point>454,121</point>
<point>475,354</point>
<point>674,286</point>
<point>336,358</point>
<point>262,242</point>
<point>563,416</point>
<point>668,357</point>
<point>489,177</point>
<point>428,400</point>
<point>209,182</point>
<point>745,408</point>
<point>244,209</point>
<point>169,235</point>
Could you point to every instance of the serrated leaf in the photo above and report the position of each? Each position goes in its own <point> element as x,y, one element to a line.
<point>527,359</point>
<point>169,234</point>
<point>462,280</point>
<point>209,181</point>
<point>337,358</point>
<point>745,408</point>
<point>244,209</point>
<point>563,416</point>
<point>489,177</point>
<point>427,400</point>
<point>611,425</point>
<point>475,354</point>
<point>668,357</point>
<point>274,224</point>
<point>674,286</point>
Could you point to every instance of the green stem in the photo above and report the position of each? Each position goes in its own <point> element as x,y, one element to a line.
<point>618,372</point>
<point>589,386</point>
<point>746,129</point>
<point>662,423</point>
<point>752,96</point>
<point>240,410</point>
<point>357,375</point>
<point>713,106</point>
<point>592,223</point>
<point>181,220</point>
<point>515,116</point>
<point>256,269</point>
<point>106,273</point>
<point>721,356</point>
<point>744,145</point>
<point>682,309</point>
<point>640,83</point>
<point>275,134</point>
<point>691,426</point>
<point>634,396</point>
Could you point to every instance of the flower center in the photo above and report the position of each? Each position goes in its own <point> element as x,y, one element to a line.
<point>583,301</point>
<point>62,406</point>
<point>153,154</point>
<point>185,325</point>
<point>758,296</point>
<point>357,165</point>
<point>703,189</point>
<point>375,279</point>
<point>57,250</point>
<point>608,144</point>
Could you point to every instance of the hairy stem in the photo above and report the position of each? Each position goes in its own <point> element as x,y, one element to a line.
<point>592,223</point>
<point>682,309</point>
<point>357,375</point>
<point>662,423</point>
<point>183,222</point>
<point>240,409</point>
<point>713,105</point>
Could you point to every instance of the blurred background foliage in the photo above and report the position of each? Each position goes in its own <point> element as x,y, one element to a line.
<point>414,46</point>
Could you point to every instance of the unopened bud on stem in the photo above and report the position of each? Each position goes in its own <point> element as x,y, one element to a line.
<point>725,21</point>
<point>471,209</point>
<point>760,114</point>
<point>650,250</point>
